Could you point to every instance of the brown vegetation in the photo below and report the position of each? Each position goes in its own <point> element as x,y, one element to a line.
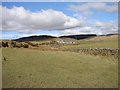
<point>97,51</point>
<point>53,45</point>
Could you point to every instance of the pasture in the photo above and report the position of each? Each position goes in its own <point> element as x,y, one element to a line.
<point>28,68</point>
<point>93,44</point>
<point>0,68</point>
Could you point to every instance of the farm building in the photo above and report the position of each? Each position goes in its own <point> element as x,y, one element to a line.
<point>66,41</point>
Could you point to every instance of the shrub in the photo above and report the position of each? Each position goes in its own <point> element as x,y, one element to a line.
<point>5,44</point>
<point>0,44</point>
<point>13,43</point>
<point>19,44</point>
<point>34,44</point>
<point>25,45</point>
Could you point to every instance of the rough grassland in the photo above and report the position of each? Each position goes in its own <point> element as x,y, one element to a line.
<point>93,44</point>
<point>0,68</point>
<point>32,68</point>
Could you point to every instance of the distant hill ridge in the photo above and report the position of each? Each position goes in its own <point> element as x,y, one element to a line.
<point>77,37</point>
<point>34,38</point>
<point>45,37</point>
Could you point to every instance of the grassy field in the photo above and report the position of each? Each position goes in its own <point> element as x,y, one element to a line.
<point>93,44</point>
<point>0,68</point>
<point>33,68</point>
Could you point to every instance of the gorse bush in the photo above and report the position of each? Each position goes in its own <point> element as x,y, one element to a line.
<point>15,44</point>
<point>0,44</point>
<point>5,44</point>
<point>19,44</point>
<point>25,45</point>
<point>33,44</point>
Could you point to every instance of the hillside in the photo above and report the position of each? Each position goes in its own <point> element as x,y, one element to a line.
<point>107,37</point>
<point>46,37</point>
<point>34,38</point>
<point>78,37</point>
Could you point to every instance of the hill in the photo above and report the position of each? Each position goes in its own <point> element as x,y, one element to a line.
<point>107,37</point>
<point>34,38</point>
<point>78,37</point>
<point>46,37</point>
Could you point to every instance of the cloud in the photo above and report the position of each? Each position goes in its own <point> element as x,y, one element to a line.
<point>99,28</point>
<point>87,8</point>
<point>107,27</point>
<point>21,20</point>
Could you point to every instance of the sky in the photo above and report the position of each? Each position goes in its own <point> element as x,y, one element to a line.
<point>21,19</point>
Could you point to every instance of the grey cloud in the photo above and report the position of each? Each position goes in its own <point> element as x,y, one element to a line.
<point>87,8</point>
<point>99,28</point>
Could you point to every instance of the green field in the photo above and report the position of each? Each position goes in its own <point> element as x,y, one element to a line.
<point>26,68</point>
<point>93,44</point>
<point>0,68</point>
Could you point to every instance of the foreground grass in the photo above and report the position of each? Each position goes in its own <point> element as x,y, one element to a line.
<point>0,68</point>
<point>33,68</point>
